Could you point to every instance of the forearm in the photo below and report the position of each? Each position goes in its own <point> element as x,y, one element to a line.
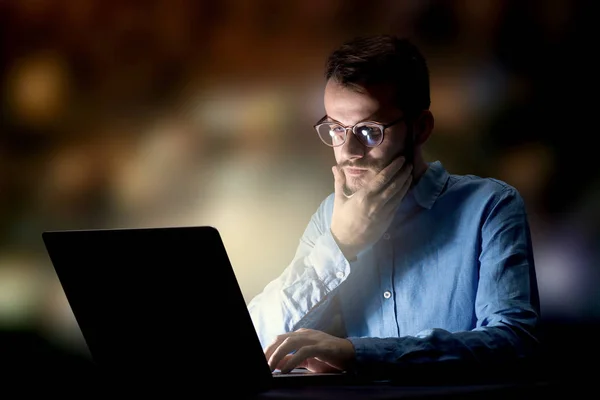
<point>300,296</point>
<point>483,350</point>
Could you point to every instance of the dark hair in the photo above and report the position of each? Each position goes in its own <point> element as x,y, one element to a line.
<point>383,59</point>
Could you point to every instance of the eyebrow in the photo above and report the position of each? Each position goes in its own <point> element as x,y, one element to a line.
<point>367,119</point>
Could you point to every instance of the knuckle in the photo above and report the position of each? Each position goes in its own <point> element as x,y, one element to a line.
<point>380,181</point>
<point>282,337</point>
<point>372,212</point>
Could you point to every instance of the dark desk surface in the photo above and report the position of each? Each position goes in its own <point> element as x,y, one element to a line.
<point>29,364</point>
<point>67,381</point>
<point>490,391</point>
<point>92,390</point>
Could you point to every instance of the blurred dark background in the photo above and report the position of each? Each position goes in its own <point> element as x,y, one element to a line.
<point>181,112</point>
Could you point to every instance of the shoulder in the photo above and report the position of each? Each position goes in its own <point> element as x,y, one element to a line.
<point>323,213</point>
<point>326,207</point>
<point>489,187</point>
<point>484,195</point>
<point>487,194</point>
<point>326,204</point>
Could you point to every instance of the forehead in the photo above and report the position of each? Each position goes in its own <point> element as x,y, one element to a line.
<point>353,104</point>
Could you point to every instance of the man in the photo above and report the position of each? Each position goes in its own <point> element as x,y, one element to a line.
<point>404,264</point>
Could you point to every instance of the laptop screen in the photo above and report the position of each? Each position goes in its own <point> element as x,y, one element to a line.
<point>158,300</point>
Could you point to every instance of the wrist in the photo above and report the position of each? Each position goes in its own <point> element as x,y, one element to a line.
<point>348,250</point>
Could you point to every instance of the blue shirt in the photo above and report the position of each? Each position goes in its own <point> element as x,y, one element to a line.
<point>453,279</point>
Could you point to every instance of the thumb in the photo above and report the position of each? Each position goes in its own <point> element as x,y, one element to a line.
<point>340,180</point>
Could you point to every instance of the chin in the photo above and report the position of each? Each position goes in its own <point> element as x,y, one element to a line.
<point>353,185</point>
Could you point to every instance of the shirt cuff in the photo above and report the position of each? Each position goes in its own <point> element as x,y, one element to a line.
<point>373,354</point>
<point>329,262</point>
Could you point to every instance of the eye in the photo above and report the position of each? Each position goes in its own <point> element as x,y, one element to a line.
<point>367,131</point>
<point>369,134</point>
<point>337,134</point>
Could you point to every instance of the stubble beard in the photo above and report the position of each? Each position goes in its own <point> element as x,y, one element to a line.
<point>347,191</point>
<point>353,185</point>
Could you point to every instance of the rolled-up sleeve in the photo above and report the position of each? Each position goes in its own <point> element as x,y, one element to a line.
<point>300,295</point>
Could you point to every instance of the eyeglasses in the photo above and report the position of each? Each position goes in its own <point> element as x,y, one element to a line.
<point>369,133</point>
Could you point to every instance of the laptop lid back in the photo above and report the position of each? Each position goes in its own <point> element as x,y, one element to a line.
<point>160,302</point>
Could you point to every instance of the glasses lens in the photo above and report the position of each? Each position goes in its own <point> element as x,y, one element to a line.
<point>370,135</point>
<point>331,134</point>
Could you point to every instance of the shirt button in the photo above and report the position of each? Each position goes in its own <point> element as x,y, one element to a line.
<point>339,274</point>
<point>386,236</point>
<point>387,294</point>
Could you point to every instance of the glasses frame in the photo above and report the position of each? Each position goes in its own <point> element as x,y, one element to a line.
<point>380,125</point>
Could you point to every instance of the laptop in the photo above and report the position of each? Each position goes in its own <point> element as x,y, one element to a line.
<point>162,306</point>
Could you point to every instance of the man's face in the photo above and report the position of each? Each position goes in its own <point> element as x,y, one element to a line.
<point>348,106</point>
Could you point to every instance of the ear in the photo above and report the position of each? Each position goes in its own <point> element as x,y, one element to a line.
<point>423,127</point>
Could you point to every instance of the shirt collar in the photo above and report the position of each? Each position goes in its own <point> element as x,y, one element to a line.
<point>431,184</point>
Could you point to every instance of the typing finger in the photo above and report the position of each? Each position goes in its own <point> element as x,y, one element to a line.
<point>289,345</point>
<point>270,349</point>
<point>297,359</point>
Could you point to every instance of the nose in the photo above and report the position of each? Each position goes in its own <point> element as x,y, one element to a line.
<point>352,149</point>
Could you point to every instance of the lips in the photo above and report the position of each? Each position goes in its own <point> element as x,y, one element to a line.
<point>356,171</point>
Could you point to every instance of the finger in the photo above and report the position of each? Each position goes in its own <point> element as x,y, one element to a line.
<point>397,184</point>
<point>298,358</point>
<point>282,362</point>
<point>279,339</point>
<point>340,181</point>
<point>288,346</point>
<point>270,349</point>
<point>385,175</point>
<point>396,199</point>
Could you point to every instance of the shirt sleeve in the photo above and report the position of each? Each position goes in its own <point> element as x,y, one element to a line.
<point>506,307</point>
<point>302,294</point>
